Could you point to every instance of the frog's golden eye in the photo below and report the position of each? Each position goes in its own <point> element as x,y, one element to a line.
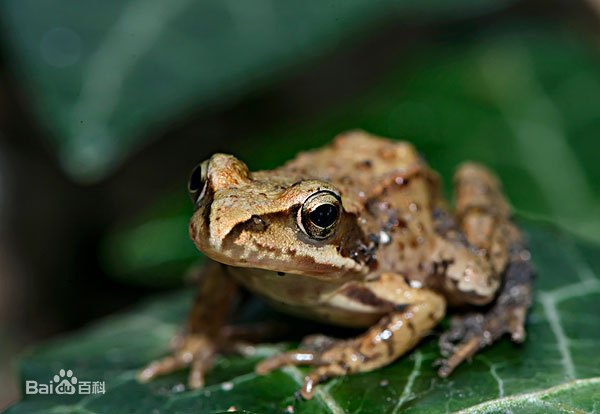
<point>197,183</point>
<point>319,214</point>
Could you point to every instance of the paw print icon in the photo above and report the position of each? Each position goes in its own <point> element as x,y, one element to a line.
<point>65,382</point>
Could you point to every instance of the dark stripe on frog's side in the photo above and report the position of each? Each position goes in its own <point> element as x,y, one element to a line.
<point>261,223</point>
<point>208,196</point>
<point>365,296</point>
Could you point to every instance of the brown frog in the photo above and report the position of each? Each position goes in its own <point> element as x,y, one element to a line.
<point>355,234</point>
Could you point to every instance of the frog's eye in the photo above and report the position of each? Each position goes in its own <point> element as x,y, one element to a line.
<point>197,183</point>
<point>319,214</point>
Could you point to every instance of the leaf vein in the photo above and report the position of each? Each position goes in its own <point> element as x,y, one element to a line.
<point>562,341</point>
<point>407,391</point>
<point>325,397</point>
<point>532,397</point>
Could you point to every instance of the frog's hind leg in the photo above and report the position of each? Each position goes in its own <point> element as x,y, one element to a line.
<point>484,217</point>
<point>395,334</point>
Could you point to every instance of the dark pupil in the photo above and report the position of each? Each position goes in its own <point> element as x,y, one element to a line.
<point>324,215</point>
<point>196,179</point>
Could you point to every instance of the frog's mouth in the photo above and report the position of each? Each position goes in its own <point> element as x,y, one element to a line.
<point>322,263</point>
<point>280,249</point>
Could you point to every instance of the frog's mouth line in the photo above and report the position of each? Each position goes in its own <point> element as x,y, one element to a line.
<point>250,245</point>
<point>300,265</point>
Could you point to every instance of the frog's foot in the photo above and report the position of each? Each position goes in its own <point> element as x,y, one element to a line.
<point>331,357</point>
<point>194,351</point>
<point>470,333</point>
<point>395,334</point>
<point>198,351</point>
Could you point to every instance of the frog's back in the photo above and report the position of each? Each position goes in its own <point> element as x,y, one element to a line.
<point>360,165</point>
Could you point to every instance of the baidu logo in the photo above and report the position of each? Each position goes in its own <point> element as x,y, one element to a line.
<point>64,383</point>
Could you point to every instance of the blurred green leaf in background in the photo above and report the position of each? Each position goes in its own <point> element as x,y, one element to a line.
<point>103,76</point>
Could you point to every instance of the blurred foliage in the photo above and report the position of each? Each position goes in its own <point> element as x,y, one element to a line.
<point>539,376</point>
<point>522,99</point>
<point>155,250</point>
<point>104,76</point>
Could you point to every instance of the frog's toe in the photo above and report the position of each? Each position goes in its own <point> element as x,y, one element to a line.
<point>517,325</point>
<point>195,351</point>
<point>516,295</point>
<point>298,357</point>
<point>198,370</point>
<point>319,375</point>
<point>330,363</point>
<point>160,367</point>
<point>452,336</point>
<point>463,351</point>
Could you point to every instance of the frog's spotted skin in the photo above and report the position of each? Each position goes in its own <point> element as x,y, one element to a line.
<point>356,234</point>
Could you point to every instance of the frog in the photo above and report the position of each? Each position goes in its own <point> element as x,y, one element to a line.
<point>356,234</point>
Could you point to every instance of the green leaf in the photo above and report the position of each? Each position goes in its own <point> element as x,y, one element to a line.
<point>154,250</point>
<point>104,76</point>
<point>557,370</point>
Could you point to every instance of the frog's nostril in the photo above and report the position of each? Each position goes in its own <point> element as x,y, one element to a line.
<point>258,224</point>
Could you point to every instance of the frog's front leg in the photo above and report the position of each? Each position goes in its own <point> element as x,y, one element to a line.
<point>416,312</point>
<point>205,332</point>
<point>484,217</point>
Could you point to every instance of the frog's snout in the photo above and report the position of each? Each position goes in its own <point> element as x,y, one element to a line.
<point>226,171</point>
<point>221,171</point>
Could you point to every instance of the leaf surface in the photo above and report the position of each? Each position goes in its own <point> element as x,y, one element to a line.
<point>557,370</point>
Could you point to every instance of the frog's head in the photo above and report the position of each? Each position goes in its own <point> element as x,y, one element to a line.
<point>267,221</point>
